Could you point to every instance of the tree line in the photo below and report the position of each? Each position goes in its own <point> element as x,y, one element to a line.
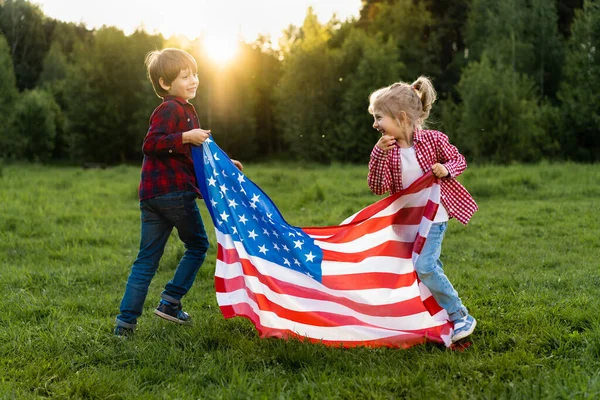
<point>518,81</point>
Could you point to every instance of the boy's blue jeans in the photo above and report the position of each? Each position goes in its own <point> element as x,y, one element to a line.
<point>159,216</point>
<point>429,269</point>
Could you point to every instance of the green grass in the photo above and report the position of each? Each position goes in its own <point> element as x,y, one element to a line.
<point>527,267</point>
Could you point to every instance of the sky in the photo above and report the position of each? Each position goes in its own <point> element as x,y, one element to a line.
<point>220,22</point>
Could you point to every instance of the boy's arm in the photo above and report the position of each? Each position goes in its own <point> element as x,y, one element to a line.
<point>451,158</point>
<point>379,178</point>
<point>160,138</point>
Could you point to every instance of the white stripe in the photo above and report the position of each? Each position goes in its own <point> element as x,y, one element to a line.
<point>340,333</point>
<point>401,233</point>
<point>372,264</point>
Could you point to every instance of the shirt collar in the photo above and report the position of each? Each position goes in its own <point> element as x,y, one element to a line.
<point>178,99</point>
<point>417,135</point>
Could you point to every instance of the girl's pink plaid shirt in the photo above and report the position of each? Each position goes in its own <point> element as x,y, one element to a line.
<point>385,171</point>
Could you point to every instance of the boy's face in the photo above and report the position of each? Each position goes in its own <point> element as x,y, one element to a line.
<point>184,86</point>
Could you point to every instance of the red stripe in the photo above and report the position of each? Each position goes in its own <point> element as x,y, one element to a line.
<point>430,210</point>
<point>390,248</point>
<point>370,280</point>
<point>414,337</point>
<point>313,318</point>
<point>346,233</point>
<point>399,309</point>
<point>432,306</point>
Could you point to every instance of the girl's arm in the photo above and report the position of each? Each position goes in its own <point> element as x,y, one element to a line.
<point>379,178</point>
<point>449,155</point>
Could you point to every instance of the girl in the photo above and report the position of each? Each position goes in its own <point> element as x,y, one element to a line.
<point>404,153</point>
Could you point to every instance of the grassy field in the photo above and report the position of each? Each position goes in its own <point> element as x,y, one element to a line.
<point>527,267</point>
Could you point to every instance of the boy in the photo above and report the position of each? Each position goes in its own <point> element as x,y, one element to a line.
<point>168,190</point>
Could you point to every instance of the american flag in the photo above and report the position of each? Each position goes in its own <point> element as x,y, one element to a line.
<point>347,285</point>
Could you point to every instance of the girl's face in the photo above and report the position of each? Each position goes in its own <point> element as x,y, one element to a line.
<point>387,125</point>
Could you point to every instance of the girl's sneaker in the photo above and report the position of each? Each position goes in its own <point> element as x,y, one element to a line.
<point>172,312</point>
<point>463,327</point>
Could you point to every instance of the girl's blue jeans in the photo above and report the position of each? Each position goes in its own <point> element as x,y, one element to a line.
<point>159,216</point>
<point>429,269</point>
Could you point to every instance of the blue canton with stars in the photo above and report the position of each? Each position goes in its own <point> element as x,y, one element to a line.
<point>241,209</point>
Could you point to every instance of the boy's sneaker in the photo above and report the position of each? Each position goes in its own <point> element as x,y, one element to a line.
<point>172,312</point>
<point>122,331</point>
<point>463,327</point>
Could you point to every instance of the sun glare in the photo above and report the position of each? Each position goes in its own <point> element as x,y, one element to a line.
<point>221,49</point>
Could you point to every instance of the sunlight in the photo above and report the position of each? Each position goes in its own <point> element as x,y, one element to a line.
<point>221,49</point>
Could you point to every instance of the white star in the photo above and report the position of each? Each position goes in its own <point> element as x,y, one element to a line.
<point>232,203</point>
<point>275,246</point>
<point>212,181</point>
<point>242,190</point>
<point>254,217</point>
<point>286,248</point>
<point>266,232</point>
<point>263,219</point>
<point>275,233</point>
<point>217,157</point>
<point>224,216</point>
<point>286,262</point>
<point>243,219</point>
<point>263,249</point>
<point>269,215</point>
<point>309,275</point>
<point>214,203</point>
<point>252,234</point>
<point>224,188</point>
<point>220,223</point>
<point>255,198</point>
<point>241,178</point>
<point>291,234</point>
<point>234,229</point>
<point>215,173</point>
<point>296,262</point>
<point>207,140</point>
<point>223,172</point>
<point>253,206</point>
<point>310,257</point>
<point>298,244</point>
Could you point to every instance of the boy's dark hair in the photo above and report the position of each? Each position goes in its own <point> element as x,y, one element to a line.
<point>167,64</point>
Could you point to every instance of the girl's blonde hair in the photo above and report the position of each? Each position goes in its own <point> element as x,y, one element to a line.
<point>414,99</point>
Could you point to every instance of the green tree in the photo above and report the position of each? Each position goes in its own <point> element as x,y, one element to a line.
<point>580,87</point>
<point>109,97</point>
<point>34,126</point>
<point>306,95</point>
<point>8,95</point>
<point>366,64</point>
<point>500,120</point>
<point>23,24</point>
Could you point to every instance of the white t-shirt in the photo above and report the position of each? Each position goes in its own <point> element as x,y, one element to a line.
<point>411,171</point>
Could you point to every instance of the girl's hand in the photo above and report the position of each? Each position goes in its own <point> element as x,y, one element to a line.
<point>439,170</point>
<point>386,143</point>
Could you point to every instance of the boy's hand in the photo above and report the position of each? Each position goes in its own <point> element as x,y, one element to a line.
<point>386,143</point>
<point>195,137</point>
<point>439,170</point>
<point>237,164</point>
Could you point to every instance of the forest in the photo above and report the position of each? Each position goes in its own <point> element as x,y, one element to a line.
<point>517,80</point>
